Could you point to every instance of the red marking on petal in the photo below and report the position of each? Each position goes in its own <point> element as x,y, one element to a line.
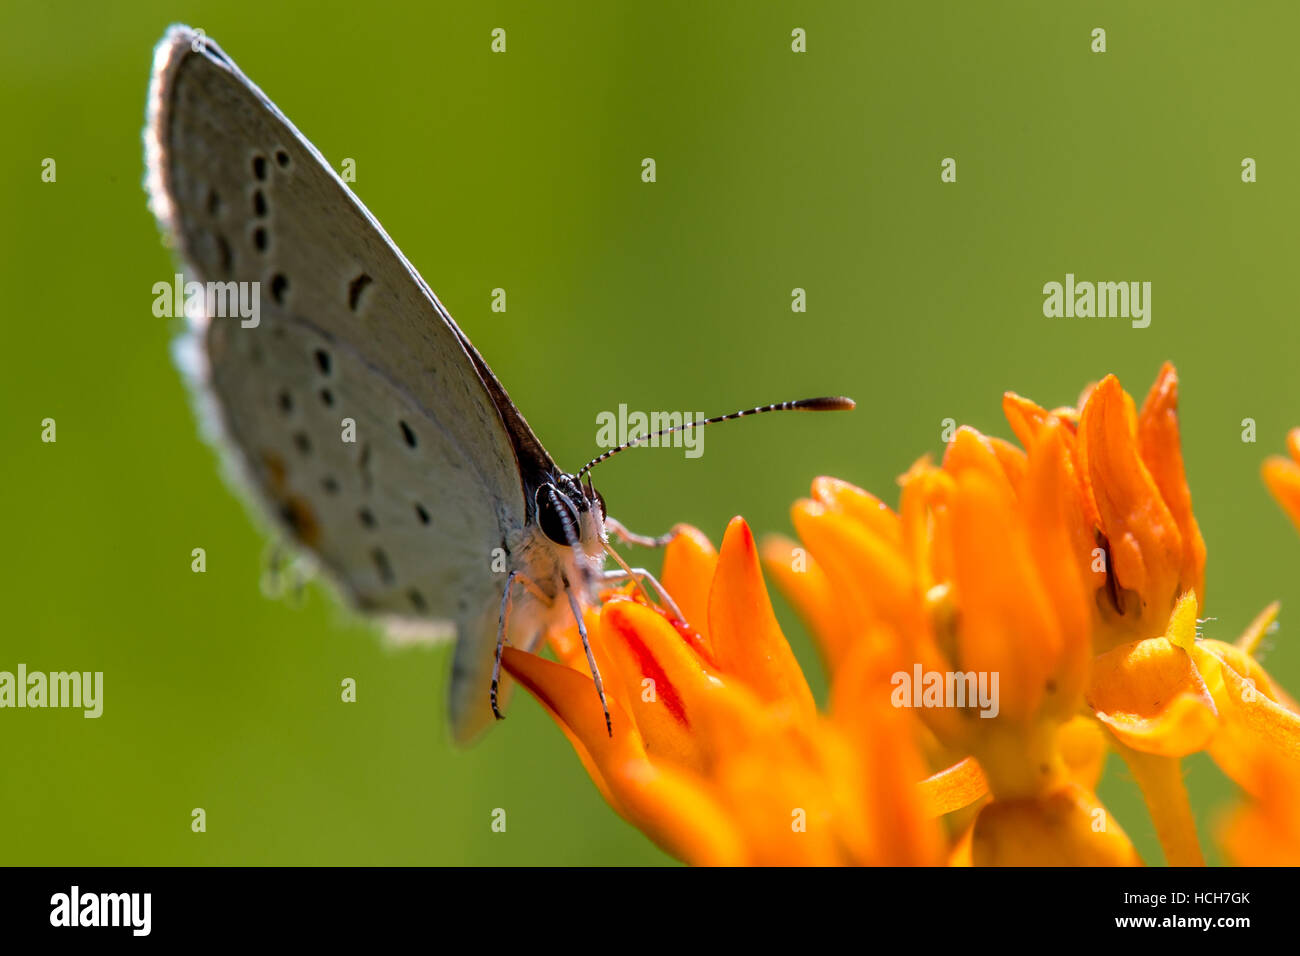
<point>694,640</point>
<point>650,667</point>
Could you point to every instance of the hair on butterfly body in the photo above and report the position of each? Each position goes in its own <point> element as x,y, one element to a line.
<point>355,413</point>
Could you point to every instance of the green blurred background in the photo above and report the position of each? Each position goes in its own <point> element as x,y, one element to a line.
<point>522,170</point>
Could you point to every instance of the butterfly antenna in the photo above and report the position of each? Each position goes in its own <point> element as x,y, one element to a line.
<point>829,404</point>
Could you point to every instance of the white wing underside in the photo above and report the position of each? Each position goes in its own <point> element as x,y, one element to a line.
<point>405,518</point>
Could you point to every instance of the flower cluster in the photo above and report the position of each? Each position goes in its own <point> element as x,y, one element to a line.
<point>1064,575</point>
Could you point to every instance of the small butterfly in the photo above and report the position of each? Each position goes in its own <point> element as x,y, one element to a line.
<point>443,472</point>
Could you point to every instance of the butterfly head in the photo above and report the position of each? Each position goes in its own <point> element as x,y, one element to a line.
<point>571,512</point>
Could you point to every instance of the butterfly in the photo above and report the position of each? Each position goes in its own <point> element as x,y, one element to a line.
<point>441,506</point>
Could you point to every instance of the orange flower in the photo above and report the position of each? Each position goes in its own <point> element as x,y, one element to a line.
<point>1266,759</point>
<point>718,752</point>
<point>1074,570</point>
<point>1136,539</point>
<point>1266,830</point>
<point>1282,475</point>
<point>978,576</point>
<point>1022,612</point>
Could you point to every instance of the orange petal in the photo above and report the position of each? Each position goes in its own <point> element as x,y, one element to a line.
<point>690,561</point>
<point>971,451</point>
<point>953,788</point>
<point>885,740</point>
<point>1162,453</point>
<point>1027,419</point>
<point>1266,832</point>
<point>1024,416</point>
<point>566,644</point>
<point>866,571</point>
<point>927,538</point>
<point>1051,507</point>
<point>1245,666</point>
<point>861,506</point>
<point>1013,461</point>
<point>961,854</point>
<point>787,810</point>
<point>1282,475</point>
<point>1085,394</point>
<point>1248,668</point>
<point>663,678</point>
<point>1146,546</point>
<point>1008,625</point>
<point>747,640</point>
<point>1250,838</point>
<point>672,809</point>
<point>1151,696</point>
<point>549,683</point>
<point>1257,628</point>
<point>571,699</point>
<point>795,795</point>
<point>1254,727</point>
<point>802,580</point>
<point>1083,746</point>
<point>1067,827</point>
<point>680,816</point>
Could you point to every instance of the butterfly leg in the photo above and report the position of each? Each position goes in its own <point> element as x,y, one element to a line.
<point>616,527</point>
<point>506,601</point>
<point>642,577</point>
<point>625,574</point>
<point>591,660</point>
<point>272,572</point>
<point>283,575</point>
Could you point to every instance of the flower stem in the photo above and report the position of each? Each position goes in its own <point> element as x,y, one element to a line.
<point>1161,780</point>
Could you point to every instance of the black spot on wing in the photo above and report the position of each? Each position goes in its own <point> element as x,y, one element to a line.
<point>355,288</point>
<point>383,566</point>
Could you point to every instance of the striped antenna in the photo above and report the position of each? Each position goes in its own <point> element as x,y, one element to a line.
<point>830,404</point>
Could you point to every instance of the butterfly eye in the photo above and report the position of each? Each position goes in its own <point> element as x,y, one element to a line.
<point>556,515</point>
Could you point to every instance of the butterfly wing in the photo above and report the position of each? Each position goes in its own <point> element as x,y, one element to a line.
<point>352,404</point>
